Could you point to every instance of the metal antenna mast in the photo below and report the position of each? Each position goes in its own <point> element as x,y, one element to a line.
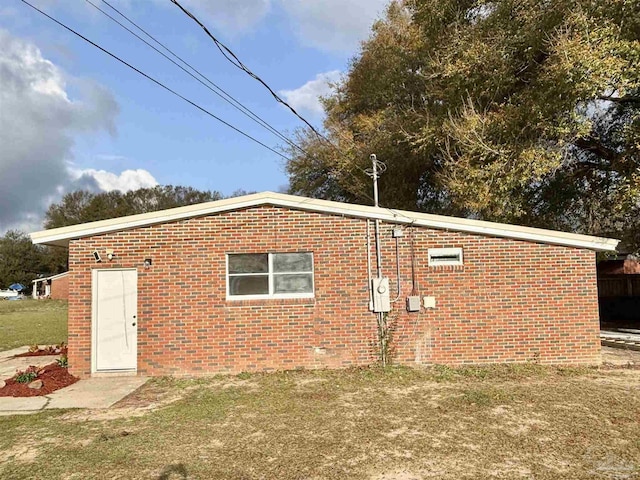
<point>374,175</point>
<point>377,168</point>
<point>379,287</point>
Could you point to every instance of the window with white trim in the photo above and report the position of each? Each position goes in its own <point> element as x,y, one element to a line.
<point>445,257</point>
<point>269,275</point>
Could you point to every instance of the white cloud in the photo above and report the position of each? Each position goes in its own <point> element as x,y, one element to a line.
<point>233,16</point>
<point>307,97</point>
<point>330,25</point>
<point>333,25</point>
<point>107,181</point>
<point>38,124</point>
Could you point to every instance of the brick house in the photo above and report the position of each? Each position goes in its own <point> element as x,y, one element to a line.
<point>55,287</point>
<point>271,281</point>
<point>60,287</point>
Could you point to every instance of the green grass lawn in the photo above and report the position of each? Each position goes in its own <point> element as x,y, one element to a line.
<point>519,422</point>
<point>26,322</point>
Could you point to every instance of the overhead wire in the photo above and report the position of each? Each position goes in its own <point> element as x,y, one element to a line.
<point>201,78</point>
<point>235,60</point>
<point>224,95</point>
<point>194,104</point>
<point>157,82</point>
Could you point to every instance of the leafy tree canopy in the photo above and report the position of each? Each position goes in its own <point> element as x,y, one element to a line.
<point>83,206</point>
<point>522,111</point>
<point>20,260</point>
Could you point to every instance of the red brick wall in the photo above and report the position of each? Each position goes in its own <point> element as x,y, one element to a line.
<point>512,301</point>
<point>60,288</point>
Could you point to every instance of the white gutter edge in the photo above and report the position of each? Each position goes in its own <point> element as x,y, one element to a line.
<point>323,206</point>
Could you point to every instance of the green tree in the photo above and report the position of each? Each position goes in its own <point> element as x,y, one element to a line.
<point>20,260</point>
<point>520,111</point>
<point>83,206</point>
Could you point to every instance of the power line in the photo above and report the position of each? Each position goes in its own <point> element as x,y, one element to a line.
<point>201,78</point>
<point>204,110</point>
<point>160,84</point>
<point>157,82</point>
<point>234,60</point>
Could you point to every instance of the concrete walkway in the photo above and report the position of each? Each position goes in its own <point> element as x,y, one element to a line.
<point>93,393</point>
<point>9,365</point>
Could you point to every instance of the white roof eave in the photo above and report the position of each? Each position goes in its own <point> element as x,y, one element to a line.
<point>61,236</point>
<point>52,277</point>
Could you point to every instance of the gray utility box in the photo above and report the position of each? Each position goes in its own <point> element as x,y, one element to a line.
<point>413,304</point>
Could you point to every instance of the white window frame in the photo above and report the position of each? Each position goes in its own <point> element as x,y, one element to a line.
<point>436,252</point>
<point>271,275</point>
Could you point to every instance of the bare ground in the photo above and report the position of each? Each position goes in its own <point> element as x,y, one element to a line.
<point>400,424</point>
<point>620,357</point>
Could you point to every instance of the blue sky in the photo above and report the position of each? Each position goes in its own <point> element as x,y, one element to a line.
<point>72,117</point>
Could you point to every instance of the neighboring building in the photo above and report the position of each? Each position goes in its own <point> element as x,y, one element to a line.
<point>60,286</point>
<point>621,264</point>
<point>271,281</point>
<point>619,291</point>
<point>55,287</point>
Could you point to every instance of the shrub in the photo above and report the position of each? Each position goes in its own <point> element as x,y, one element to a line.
<point>27,375</point>
<point>63,361</point>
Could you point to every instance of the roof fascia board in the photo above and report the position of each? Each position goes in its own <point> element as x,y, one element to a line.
<point>62,235</point>
<point>52,277</point>
<point>59,275</point>
<point>470,226</point>
<point>143,220</point>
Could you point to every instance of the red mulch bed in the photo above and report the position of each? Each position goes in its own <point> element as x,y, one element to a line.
<point>41,352</point>
<point>53,376</point>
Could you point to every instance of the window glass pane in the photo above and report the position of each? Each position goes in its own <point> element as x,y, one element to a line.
<point>292,262</point>
<point>249,263</point>
<point>298,283</point>
<point>249,285</point>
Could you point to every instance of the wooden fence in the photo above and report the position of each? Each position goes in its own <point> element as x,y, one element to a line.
<point>619,286</point>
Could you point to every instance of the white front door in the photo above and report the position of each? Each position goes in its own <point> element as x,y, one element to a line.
<point>115,304</point>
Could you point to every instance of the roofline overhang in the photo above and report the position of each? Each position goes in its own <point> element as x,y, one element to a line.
<point>62,236</point>
<point>52,277</point>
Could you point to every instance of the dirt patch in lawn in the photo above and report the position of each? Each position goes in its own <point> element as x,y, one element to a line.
<point>19,453</point>
<point>153,395</point>
<point>53,377</point>
<point>156,393</point>
<point>394,424</point>
<point>613,358</point>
